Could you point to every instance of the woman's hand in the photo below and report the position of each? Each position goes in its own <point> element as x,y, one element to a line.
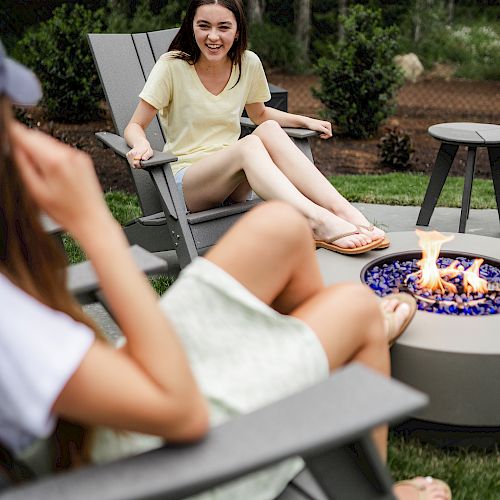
<point>323,127</point>
<point>61,180</point>
<point>141,151</point>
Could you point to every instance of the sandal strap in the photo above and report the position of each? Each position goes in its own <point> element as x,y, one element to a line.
<point>370,227</point>
<point>342,235</point>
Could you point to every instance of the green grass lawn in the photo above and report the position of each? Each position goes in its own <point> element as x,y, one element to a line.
<point>472,475</point>
<point>409,189</point>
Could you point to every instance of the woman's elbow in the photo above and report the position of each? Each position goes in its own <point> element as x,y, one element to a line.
<point>191,422</point>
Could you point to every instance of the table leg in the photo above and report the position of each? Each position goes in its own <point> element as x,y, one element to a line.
<point>442,166</point>
<point>469,177</point>
<point>494,155</point>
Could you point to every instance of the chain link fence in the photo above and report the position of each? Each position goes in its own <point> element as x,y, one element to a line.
<point>433,98</point>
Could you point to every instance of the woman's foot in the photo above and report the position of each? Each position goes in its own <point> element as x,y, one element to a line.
<point>351,214</point>
<point>398,310</point>
<point>422,488</point>
<point>328,227</point>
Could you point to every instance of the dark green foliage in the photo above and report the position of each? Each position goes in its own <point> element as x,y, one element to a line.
<point>275,46</point>
<point>144,18</point>
<point>24,116</point>
<point>358,77</point>
<point>58,52</point>
<point>395,149</point>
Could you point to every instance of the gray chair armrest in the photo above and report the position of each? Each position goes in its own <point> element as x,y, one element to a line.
<point>328,415</point>
<point>82,281</point>
<point>298,133</point>
<point>120,147</point>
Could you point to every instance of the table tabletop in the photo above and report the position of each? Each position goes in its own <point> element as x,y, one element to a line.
<point>467,133</point>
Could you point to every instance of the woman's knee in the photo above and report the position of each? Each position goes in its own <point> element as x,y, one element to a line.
<point>269,127</point>
<point>283,223</point>
<point>249,144</point>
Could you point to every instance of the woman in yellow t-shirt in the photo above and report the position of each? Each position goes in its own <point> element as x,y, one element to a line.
<point>200,89</point>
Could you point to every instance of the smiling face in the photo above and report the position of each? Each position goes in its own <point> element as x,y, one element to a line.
<point>215,29</point>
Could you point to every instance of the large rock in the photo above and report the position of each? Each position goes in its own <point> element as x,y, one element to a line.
<point>410,65</point>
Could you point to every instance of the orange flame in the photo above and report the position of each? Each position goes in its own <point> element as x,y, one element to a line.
<point>430,276</point>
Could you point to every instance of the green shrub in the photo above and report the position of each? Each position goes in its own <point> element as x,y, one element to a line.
<point>275,46</point>
<point>395,149</point>
<point>144,19</point>
<point>476,49</point>
<point>358,77</point>
<point>59,53</point>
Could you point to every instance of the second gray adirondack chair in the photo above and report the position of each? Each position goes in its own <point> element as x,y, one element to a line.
<point>124,62</point>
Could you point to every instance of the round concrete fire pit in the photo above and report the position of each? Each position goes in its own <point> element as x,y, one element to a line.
<point>454,359</point>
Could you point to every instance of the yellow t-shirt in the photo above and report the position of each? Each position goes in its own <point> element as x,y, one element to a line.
<point>196,122</point>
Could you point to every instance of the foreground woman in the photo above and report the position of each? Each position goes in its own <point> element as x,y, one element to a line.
<point>240,328</point>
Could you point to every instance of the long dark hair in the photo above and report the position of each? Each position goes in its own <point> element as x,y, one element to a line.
<point>34,262</point>
<point>185,43</point>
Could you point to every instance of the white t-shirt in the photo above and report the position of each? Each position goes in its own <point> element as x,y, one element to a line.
<point>40,349</point>
<point>197,122</point>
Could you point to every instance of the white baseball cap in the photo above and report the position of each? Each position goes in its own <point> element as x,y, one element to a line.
<point>18,82</point>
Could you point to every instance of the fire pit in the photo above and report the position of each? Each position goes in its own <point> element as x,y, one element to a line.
<point>441,282</point>
<point>454,358</point>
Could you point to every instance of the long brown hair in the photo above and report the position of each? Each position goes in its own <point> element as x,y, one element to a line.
<point>31,258</point>
<point>185,43</point>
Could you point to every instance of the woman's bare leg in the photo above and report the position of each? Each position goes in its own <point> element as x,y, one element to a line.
<point>346,318</point>
<point>304,175</point>
<point>270,252</point>
<point>222,174</point>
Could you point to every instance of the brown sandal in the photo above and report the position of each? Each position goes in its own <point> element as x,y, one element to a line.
<point>330,245</point>
<point>423,493</point>
<point>394,331</point>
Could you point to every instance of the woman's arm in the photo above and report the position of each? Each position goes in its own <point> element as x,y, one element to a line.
<point>147,387</point>
<point>258,112</point>
<point>135,135</point>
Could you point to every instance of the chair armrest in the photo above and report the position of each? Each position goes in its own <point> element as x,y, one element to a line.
<point>82,281</point>
<point>328,415</point>
<point>120,147</point>
<point>298,133</point>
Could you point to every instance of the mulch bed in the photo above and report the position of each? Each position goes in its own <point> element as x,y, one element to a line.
<point>420,105</point>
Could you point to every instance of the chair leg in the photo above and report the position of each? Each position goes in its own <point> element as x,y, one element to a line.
<point>442,166</point>
<point>305,146</point>
<point>352,471</point>
<point>494,155</point>
<point>469,177</point>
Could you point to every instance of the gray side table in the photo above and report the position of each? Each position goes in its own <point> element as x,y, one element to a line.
<point>453,135</point>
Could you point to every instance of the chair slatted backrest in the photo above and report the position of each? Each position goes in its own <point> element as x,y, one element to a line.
<point>124,62</point>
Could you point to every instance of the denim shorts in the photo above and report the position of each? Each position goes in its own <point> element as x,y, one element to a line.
<point>179,176</point>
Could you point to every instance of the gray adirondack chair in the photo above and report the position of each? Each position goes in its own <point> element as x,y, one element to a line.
<point>327,424</point>
<point>124,61</point>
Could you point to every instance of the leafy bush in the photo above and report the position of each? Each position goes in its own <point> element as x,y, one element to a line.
<point>58,52</point>
<point>358,77</point>
<point>477,51</point>
<point>144,19</point>
<point>275,46</point>
<point>395,149</point>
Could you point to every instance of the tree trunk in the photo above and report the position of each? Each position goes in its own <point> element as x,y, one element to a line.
<point>303,28</point>
<point>451,10</point>
<point>342,12</point>
<point>256,11</point>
